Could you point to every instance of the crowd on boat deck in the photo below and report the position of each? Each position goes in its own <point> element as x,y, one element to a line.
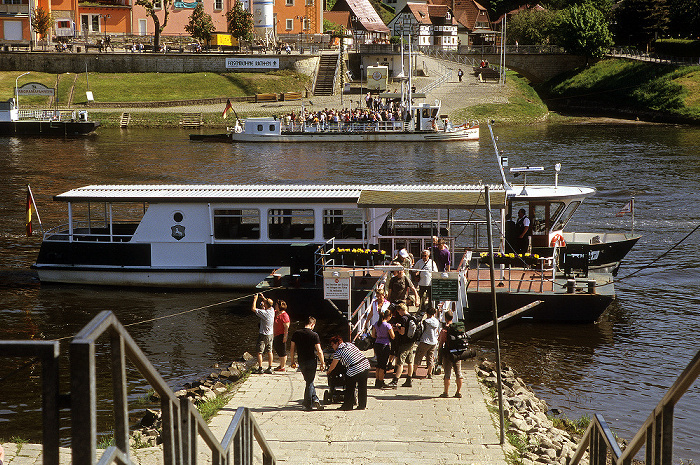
<point>376,111</point>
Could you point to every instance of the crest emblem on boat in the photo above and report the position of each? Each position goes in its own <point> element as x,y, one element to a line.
<point>178,231</point>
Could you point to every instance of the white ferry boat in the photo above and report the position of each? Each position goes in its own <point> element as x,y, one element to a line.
<point>424,124</point>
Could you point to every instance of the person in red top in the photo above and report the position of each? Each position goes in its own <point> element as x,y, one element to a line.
<point>281,331</point>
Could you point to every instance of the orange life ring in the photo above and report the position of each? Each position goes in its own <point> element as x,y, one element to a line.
<point>558,240</point>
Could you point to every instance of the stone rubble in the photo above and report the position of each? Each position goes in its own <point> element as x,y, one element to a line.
<point>147,432</point>
<point>527,417</point>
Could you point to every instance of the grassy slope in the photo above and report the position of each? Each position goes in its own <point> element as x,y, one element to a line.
<point>631,85</point>
<point>117,87</point>
<point>524,105</point>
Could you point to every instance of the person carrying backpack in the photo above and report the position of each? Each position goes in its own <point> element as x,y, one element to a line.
<point>448,363</point>
<point>401,324</point>
<point>427,342</point>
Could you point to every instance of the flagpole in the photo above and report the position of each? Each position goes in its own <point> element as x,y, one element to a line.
<point>632,208</point>
<point>31,197</point>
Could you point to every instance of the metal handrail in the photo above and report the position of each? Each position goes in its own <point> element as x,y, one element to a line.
<point>656,433</point>
<point>47,352</point>
<point>362,310</point>
<point>182,423</point>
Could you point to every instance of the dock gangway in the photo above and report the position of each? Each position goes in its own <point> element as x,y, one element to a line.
<point>183,425</point>
<point>656,434</point>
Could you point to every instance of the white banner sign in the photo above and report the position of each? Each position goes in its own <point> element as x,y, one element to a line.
<point>253,63</point>
<point>35,88</point>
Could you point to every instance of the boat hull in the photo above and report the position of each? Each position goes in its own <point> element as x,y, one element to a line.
<point>604,254</point>
<point>47,128</point>
<point>471,134</point>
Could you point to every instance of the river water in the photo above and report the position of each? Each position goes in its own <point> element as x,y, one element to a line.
<point>620,367</point>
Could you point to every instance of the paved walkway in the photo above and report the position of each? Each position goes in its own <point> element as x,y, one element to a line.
<point>402,426</point>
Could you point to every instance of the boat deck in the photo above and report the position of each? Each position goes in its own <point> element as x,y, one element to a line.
<point>511,280</point>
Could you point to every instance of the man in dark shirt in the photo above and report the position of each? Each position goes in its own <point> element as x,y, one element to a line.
<point>399,286</point>
<point>309,346</point>
<point>441,254</point>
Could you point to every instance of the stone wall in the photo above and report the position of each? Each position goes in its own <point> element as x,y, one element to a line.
<point>49,62</point>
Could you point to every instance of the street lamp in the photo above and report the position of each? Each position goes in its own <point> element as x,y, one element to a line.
<point>362,67</point>
<point>16,91</point>
<point>104,20</point>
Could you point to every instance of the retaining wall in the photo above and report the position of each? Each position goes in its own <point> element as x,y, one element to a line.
<point>50,62</point>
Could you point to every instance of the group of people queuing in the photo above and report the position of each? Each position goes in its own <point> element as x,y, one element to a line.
<point>390,111</point>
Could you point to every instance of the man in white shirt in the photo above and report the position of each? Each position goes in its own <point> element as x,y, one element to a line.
<point>423,270</point>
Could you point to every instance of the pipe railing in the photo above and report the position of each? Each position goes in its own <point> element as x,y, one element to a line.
<point>182,423</point>
<point>656,433</point>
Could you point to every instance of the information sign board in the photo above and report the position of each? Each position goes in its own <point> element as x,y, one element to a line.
<point>445,288</point>
<point>336,285</point>
<point>35,88</point>
<point>252,63</point>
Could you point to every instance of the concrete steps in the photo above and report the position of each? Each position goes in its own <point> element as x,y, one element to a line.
<point>326,74</point>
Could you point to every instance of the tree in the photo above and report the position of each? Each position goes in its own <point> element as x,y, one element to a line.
<point>42,22</point>
<point>584,31</point>
<point>239,22</point>
<point>638,22</point>
<point>152,11</point>
<point>200,26</point>
<point>532,27</point>
<point>685,18</point>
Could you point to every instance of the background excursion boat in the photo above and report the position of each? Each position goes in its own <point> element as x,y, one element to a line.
<point>59,123</point>
<point>425,125</point>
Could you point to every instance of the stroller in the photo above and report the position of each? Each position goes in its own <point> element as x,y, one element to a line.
<point>336,386</point>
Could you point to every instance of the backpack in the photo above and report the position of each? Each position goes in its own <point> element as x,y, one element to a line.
<point>457,343</point>
<point>414,331</point>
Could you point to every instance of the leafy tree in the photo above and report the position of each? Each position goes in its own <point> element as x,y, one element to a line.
<point>532,27</point>
<point>638,22</point>
<point>239,22</point>
<point>200,26</point>
<point>42,22</point>
<point>584,31</point>
<point>685,18</point>
<point>150,6</point>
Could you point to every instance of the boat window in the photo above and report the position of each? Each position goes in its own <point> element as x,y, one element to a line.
<point>260,127</point>
<point>426,113</point>
<point>272,128</point>
<point>434,112</point>
<point>237,224</point>
<point>342,224</point>
<point>560,222</point>
<point>290,223</point>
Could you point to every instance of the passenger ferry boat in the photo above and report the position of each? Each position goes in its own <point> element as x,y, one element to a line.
<point>239,236</point>
<point>425,125</point>
<point>61,123</point>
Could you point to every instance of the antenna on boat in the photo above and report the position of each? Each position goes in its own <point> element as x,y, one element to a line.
<point>525,170</point>
<point>501,160</point>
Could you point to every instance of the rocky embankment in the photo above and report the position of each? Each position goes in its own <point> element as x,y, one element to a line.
<point>526,417</point>
<point>217,383</point>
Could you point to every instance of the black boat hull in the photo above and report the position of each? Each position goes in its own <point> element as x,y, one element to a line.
<point>47,128</point>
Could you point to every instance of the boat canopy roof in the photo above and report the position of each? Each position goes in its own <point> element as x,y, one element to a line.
<point>389,195</point>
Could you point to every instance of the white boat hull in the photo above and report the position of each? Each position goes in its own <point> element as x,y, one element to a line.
<point>470,134</point>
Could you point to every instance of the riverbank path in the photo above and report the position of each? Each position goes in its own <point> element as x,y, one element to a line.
<point>400,426</point>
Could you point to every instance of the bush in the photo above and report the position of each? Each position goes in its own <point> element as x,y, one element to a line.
<point>677,47</point>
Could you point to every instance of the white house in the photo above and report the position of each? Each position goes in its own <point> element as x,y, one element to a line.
<point>429,25</point>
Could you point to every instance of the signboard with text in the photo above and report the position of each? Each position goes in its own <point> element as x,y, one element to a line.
<point>445,288</point>
<point>336,285</point>
<point>252,63</point>
<point>35,88</point>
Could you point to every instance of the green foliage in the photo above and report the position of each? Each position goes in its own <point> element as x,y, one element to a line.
<point>42,21</point>
<point>329,26</point>
<point>201,25</point>
<point>584,31</point>
<point>239,22</point>
<point>576,427</point>
<point>684,18</point>
<point>677,47</point>
<point>638,22</point>
<point>533,27</point>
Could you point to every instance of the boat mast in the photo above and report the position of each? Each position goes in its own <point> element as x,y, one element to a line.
<point>499,158</point>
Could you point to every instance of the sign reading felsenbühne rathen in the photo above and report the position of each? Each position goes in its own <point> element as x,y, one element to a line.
<point>253,63</point>
<point>35,88</point>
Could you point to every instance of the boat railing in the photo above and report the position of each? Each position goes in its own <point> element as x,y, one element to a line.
<point>88,231</point>
<point>360,317</point>
<point>322,259</point>
<point>372,126</point>
<point>182,425</point>
<point>656,434</point>
<point>47,115</point>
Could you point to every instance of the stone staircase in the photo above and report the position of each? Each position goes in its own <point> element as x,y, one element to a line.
<point>326,74</point>
<point>191,120</point>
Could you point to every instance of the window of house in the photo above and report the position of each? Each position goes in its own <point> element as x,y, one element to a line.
<point>290,223</point>
<point>290,24</point>
<point>289,2</point>
<point>237,224</point>
<point>307,24</point>
<point>342,224</point>
<point>157,4</point>
<point>309,2</point>
<point>218,4</point>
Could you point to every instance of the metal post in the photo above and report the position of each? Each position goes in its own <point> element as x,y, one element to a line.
<point>499,385</point>
<point>17,90</point>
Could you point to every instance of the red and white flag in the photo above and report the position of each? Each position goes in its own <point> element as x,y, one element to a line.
<point>626,209</point>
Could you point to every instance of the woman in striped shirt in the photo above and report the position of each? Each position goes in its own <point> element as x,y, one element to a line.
<point>357,370</point>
